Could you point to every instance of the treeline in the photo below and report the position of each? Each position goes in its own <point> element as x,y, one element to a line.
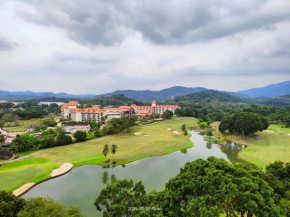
<point>113,126</point>
<point>210,106</point>
<point>209,114</point>
<point>209,188</point>
<point>116,100</point>
<point>25,111</point>
<point>47,139</point>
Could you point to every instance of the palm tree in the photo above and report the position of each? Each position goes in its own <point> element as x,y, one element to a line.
<point>105,178</point>
<point>2,140</point>
<point>114,149</point>
<point>106,150</point>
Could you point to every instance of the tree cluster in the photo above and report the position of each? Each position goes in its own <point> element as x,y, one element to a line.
<point>204,188</point>
<point>12,206</point>
<point>49,138</point>
<point>167,114</point>
<point>26,111</point>
<point>244,123</point>
<point>117,125</point>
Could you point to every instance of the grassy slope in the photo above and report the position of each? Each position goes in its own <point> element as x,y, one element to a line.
<point>15,129</point>
<point>38,166</point>
<point>266,147</point>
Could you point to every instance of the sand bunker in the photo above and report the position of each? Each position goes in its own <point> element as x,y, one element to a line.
<point>169,129</point>
<point>288,134</point>
<point>61,170</point>
<point>138,133</point>
<point>269,131</point>
<point>24,188</point>
<point>176,132</point>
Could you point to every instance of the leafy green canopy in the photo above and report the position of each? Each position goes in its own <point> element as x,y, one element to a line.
<point>244,123</point>
<point>10,205</point>
<point>202,188</point>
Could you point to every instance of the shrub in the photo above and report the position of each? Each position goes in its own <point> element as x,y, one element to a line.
<point>80,135</point>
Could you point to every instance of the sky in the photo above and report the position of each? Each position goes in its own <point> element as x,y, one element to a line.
<point>94,46</point>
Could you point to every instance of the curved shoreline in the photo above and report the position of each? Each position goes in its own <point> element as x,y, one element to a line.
<point>62,170</point>
<point>79,165</point>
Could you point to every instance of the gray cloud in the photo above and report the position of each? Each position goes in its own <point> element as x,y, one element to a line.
<point>163,22</point>
<point>6,45</point>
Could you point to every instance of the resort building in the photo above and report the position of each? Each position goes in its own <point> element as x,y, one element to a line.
<point>65,109</point>
<point>71,112</point>
<point>154,108</point>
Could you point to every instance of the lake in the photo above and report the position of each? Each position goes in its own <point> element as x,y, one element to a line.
<point>83,184</point>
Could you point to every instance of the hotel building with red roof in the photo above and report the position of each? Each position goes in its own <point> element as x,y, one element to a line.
<point>71,112</point>
<point>153,109</point>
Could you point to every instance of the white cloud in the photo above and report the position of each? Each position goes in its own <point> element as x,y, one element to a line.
<point>102,46</point>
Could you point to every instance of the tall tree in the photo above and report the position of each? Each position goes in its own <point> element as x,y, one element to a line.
<point>114,149</point>
<point>106,150</point>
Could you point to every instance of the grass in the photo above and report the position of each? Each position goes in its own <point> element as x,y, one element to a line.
<point>37,166</point>
<point>265,147</point>
<point>15,129</point>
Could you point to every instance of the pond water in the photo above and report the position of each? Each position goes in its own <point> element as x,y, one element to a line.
<point>83,184</point>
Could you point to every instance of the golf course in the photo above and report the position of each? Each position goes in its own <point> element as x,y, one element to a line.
<point>266,147</point>
<point>159,138</point>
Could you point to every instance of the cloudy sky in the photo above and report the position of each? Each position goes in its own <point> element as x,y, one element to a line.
<point>97,46</point>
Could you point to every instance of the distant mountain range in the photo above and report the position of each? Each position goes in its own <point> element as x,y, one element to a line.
<point>161,95</point>
<point>260,94</point>
<point>22,95</point>
<point>271,91</point>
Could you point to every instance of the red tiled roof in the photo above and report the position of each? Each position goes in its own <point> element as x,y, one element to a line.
<point>63,107</point>
<point>143,113</point>
<point>72,103</point>
<point>95,107</point>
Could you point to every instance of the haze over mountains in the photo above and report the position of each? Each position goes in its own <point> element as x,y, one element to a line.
<point>262,93</point>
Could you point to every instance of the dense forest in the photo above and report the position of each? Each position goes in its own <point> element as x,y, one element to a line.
<point>209,188</point>
<point>213,105</point>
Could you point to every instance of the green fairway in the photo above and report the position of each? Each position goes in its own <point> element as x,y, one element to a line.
<point>267,147</point>
<point>155,140</point>
<point>15,129</point>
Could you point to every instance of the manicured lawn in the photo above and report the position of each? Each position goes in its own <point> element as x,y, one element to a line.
<point>15,129</point>
<point>159,141</point>
<point>266,147</point>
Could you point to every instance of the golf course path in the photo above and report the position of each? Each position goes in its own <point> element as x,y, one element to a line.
<point>24,188</point>
<point>61,170</point>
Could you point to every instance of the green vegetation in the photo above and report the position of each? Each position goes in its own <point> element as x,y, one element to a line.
<point>10,114</point>
<point>12,206</point>
<point>244,123</point>
<point>115,100</point>
<point>205,188</point>
<point>15,129</point>
<point>47,207</point>
<point>39,165</point>
<point>265,147</point>
<point>210,106</point>
<point>167,114</point>
<point>80,136</point>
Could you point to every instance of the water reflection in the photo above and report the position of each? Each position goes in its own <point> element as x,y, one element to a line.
<point>82,185</point>
<point>183,151</point>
